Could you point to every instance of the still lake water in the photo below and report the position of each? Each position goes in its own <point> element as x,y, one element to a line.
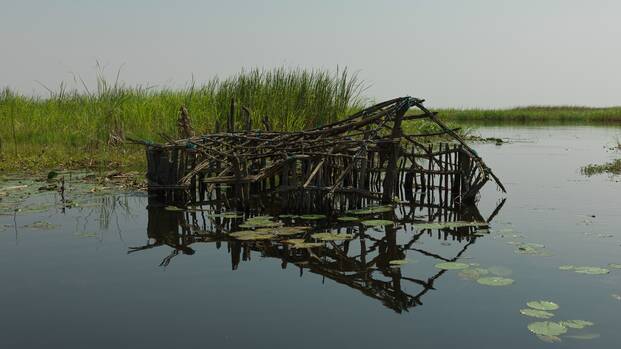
<point>75,285</point>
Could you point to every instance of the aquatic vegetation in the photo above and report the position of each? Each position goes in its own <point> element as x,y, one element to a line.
<point>301,243</point>
<point>173,208</point>
<point>500,271</point>
<point>567,267</point>
<point>288,216</point>
<point>284,231</point>
<point>448,225</point>
<point>371,210</point>
<point>549,339</point>
<point>613,167</point>
<point>577,324</point>
<point>348,219</point>
<point>377,223</point>
<point>260,222</point>
<point>86,235</point>
<point>614,265</point>
<point>472,273</point>
<point>547,328</point>
<point>251,235</point>
<point>495,281</point>
<point>542,305</point>
<point>332,236</point>
<point>41,225</point>
<point>313,217</point>
<point>591,270</point>
<point>451,266</point>
<point>398,262</point>
<point>532,249</point>
<point>540,314</point>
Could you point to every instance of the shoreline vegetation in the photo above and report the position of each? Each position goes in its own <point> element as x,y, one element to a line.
<point>73,129</point>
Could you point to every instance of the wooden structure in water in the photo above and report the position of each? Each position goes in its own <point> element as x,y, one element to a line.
<point>362,263</point>
<point>364,158</point>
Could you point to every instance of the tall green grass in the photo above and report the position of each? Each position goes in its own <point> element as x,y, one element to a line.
<point>535,114</point>
<point>77,128</point>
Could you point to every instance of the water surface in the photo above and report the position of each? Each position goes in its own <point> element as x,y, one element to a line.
<point>116,275</point>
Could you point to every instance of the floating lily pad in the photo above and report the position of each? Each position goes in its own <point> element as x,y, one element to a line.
<point>284,231</point>
<point>377,223</point>
<point>251,235</point>
<point>495,281</point>
<point>540,314</point>
<point>547,328</point>
<point>500,271</point>
<point>332,236</point>
<point>290,216</point>
<point>260,222</point>
<point>542,305</point>
<point>348,219</point>
<point>567,267</point>
<point>549,339</point>
<point>532,249</point>
<point>448,225</point>
<point>173,208</point>
<point>86,235</point>
<point>371,210</point>
<point>451,265</point>
<point>591,270</point>
<point>473,273</point>
<point>313,217</point>
<point>577,324</point>
<point>41,225</point>
<point>614,266</point>
<point>300,243</point>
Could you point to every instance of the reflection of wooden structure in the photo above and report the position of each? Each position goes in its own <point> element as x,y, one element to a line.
<point>367,154</point>
<point>361,263</point>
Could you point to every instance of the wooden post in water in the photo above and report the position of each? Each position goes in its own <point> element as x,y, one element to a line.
<point>391,170</point>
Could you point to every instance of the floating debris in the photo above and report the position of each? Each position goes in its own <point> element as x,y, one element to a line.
<point>495,281</point>
<point>542,305</point>
<point>539,314</point>
<point>547,328</point>
<point>451,266</point>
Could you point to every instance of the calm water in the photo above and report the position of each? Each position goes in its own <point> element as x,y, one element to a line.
<point>74,284</point>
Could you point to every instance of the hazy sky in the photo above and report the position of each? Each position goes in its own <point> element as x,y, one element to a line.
<point>476,53</point>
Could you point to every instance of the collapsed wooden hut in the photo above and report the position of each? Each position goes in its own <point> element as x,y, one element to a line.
<point>364,158</point>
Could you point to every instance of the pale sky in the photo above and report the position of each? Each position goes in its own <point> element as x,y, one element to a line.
<point>476,53</point>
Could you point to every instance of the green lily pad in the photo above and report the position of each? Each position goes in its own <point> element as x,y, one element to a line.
<point>251,235</point>
<point>448,225</point>
<point>542,305</point>
<point>495,281</point>
<point>540,314</point>
<point>300,243</point>
<point>614,266</point>
<point>549,339</point>
<point>332,236</point>
<point>451,266</point>
<point>348,219</point>
<point>313,217</point>
<point>173,208</point>
<point>288,216</point>
<point>41,225</point>
<point>473,273</point>
<point>591,270</point>
<point>284,231</point>
<point>260,222</point>
<point>577,324</point>
<point>567,267</point>
<point>377,223</point>
<point>547,328</point>
<point>371,210</point>
<point>500,271</point>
